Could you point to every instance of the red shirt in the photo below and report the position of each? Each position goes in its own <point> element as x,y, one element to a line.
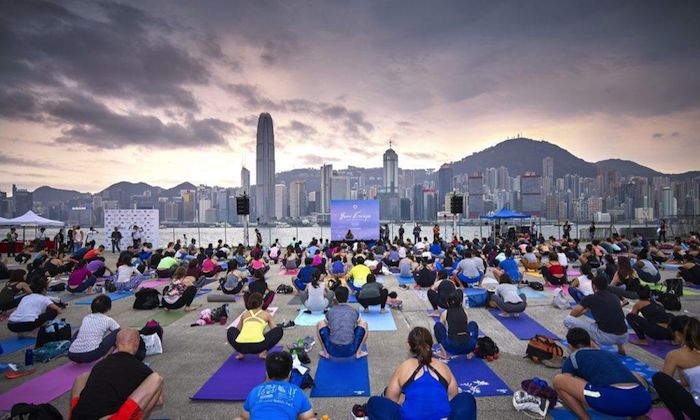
<point>90,254</point>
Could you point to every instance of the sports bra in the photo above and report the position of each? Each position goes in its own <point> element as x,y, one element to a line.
<point>425,397</point>
<point>425,369</point>
<point>252,329</point>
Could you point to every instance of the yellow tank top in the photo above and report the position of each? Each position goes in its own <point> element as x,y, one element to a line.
<point>252,329</point>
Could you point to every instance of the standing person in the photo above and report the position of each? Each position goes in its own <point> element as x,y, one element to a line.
<point>78,238</point>
<point>567,230</point>
<point>662,230</point>
<point>11,242</point>
<point>402,231</point>
<point>386,233</point>
<point>416,234</point>
<point>116,240</point>
<point>136,237</point>
<point>58,240</point>
<point>436,232</point>
<point>533,230</point>
<point>41,239</point>
<point>91,237</point>
<point>591,230</point>
<point>69,240</point>
<point>258,236</point>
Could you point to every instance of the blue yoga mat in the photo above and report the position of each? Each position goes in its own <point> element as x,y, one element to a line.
<point>354,373</point>
<point>307,320</point>
<point>566,414</point>
<point>114,296</point>
<point>532,294</point>
<point>377,321</point>
<point>352,299</point>
<point>13,344</point>
<point>405,280</point>
<point>476,377</point>
<point>523,326</point>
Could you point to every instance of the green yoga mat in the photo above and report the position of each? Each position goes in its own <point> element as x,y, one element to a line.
<point>163,317</point>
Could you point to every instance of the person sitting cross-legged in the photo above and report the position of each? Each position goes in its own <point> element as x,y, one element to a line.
<point>608,324</point>
<point>317,297</point>
<point>454,332</point>
<point>277,398</point>
<point>305,275</point>
<point>357,277</point>
<point>342,333</point>
<point>422,388</point>
<point>249,336</point>
<point>598,379</point>
<point>118,387</point>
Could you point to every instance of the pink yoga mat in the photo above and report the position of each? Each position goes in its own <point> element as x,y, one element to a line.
<point>46,387</point>
<point>573,273</point>
<point>154,283</point>
<point>272,310</point>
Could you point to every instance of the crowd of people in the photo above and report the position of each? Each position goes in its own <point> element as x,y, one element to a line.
<point>613,272</point>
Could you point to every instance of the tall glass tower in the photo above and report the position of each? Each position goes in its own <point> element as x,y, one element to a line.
<point>265,168</point>
<point>391,171</point>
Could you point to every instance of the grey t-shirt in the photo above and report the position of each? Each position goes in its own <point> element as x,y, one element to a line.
<point>342,320</point>
<point>370,290</point>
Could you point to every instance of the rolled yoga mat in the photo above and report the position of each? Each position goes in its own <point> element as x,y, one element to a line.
<point>354,373</point>
<point>221,298</point>
<point>523,326</point>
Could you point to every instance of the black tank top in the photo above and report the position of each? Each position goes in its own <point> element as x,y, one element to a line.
<point>446,288</point>
<point>457,329</point>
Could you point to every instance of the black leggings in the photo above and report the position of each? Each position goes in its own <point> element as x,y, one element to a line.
<point>676,398</point>
<point>692,275</point>
<point>236,290</point>
<point>425,281</point>
<point>644,328</point>
<point>557,281</point>
<point>381,300</point>
<point>23,327</point>
<point>272,337</point>
<point>622,292</point>
<point>437,300</point>
<point>185,299</point>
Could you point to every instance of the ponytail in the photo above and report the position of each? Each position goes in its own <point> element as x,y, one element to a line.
<point>315,277</point>
<point>421,344</point>
<point>692,334</point>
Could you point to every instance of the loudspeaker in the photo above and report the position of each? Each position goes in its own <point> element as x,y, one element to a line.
<point>457,204</point>
<point>243,205</point>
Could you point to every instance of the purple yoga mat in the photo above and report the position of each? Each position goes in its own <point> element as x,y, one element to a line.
<point>46,387</point>
<point>657,348</point>
<point>523,326</point>
<point>154,283</point>
<point>235,379</point>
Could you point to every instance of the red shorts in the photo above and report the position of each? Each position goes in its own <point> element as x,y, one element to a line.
<point>128,411</point>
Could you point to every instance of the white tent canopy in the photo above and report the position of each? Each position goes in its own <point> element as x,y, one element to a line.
<point>30,219</point>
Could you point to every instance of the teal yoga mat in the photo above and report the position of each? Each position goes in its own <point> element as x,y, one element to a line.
<point>114,296</point>
<point>307,320</point>
<point>377,321</point>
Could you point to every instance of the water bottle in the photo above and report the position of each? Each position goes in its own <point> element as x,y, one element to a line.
<point>29,357</point>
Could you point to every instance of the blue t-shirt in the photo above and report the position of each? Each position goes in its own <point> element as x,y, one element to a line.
<point>276,400</point>
<point>306,273</point>
<point>511,268</point>
<point>435,249</point>
<point>338,267</point>
<point>598,367</point>
<point>311,251</point>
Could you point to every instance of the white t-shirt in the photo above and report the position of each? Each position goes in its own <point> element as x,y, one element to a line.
<point>317,301</point>
<point>30,307</point>
<point>585,285</point>
<point>402,252</point>
<point>91,235</point>
<point>78,236</point>
<point>563,261</point>
<point>91,332</point>
<point>124,273</point>
<point>509,293</point>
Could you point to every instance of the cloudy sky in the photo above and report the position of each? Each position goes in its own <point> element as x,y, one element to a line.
<point>92,93</point>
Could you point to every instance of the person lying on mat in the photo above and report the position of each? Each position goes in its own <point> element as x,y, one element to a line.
<point>422,388</point>
<point>553,272</point>
<point>81,279</point>
<point>358,274</point>
<point>277,398</point>
<point>317,297</point>
<point>597,378</point>
<point>342,333</point>
<point>180,292</point>
<point>682,398</point>
<point>166,267</point>
<point>469,270</point>
<point>507,299</point>
<point>14,290</point>
<point>454,332</point>
<point>92,341</point>
<point>372,293</point>
<point>234,281</point>
<point>259,285</point>
<point>34,310</point>
<point>118,387</point>
<point>582,285</point>
<point>648,318</point>
<point>608,324</point>
<point>508,266</point>
<point>305,275</point>
<point>440,291</point>
<point>425,275</point>
<point>249,336</point>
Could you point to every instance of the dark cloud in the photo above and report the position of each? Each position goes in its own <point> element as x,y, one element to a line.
<point>15,104</point>
<point>278,49</point>
<point>300,128</point>
<point>6,160</point>
<point>675,134</point>
<point>657,135</point>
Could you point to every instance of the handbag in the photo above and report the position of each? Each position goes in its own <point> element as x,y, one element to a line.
<point>153,344</point>
<point>560,300</point>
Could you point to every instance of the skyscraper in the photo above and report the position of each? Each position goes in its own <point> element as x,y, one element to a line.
<point>391,171</point>
<point>265,168</point>
<point>548,167</point>
<point>326,175</point>
<point>245,180</point>
<point>445,183</point>
<point>281,201</point>
<point>297,200</point>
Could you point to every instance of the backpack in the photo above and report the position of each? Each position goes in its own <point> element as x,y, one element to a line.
<point>284,289</point>
<point>486,348</point>
<point>59,287</point>
<point>25,411</point>
<point>302,381</point>
<point>675,285</point>
<point>147,298</point>
<point>541,348</point>
<point>670,301</point>
<point>53,331</point>
<point>220,312</point>
<point>535,285</point>
<point>51,351</point>
<point>110,287</point>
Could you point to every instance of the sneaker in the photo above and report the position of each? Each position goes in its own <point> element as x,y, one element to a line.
<point>287,325</point>
<point>359,411</point>
<point>522,401</point>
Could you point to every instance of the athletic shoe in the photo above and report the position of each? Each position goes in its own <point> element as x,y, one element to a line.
<point>359,411</point>
<point>522,401</point>
<point>15,371</point>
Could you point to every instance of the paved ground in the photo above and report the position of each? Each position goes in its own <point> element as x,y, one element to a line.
<point>193,354</point>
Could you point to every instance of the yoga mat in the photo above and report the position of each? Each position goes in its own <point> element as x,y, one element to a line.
<point>234,380</point>
<point>660,413</point>
<point>669,266</point>
<point>202,292</point>
<point>573,273</point>
<point>377,321</point>
<point>523,326</point>
<point>354,373</point>
<point>272,310</point>
<point>405,280</point>
<point>630,362</point>
<point>46,387</point>
<point>163,317</point>
<point>286,272</point>
<point>221,298</point>
<point>307,320</point>
<point>432,315</point>
<point>153,283</point>
<point>114,296</point>
<point>657,348</point>
<point>531,293</point>
<point>14,343</point>
<point>352,299</point>
<point>476,377</point>
<point>566,414</point>
<point>533,274</point>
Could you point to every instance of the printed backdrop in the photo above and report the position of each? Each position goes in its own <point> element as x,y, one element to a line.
<point>125,219</point>
<point>359,216</point>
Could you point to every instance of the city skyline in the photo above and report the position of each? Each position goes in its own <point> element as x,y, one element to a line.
<point>600,80</point>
